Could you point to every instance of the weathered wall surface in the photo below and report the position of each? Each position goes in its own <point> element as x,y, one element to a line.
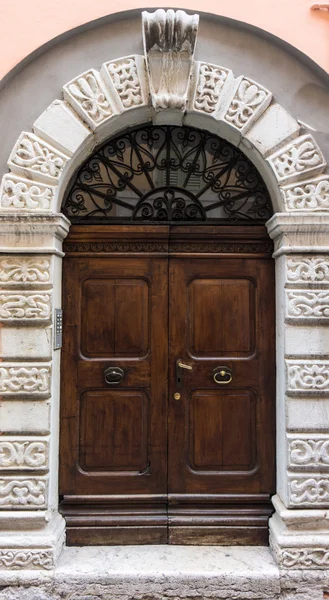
<point>25,26</point>
<point>304,93</point>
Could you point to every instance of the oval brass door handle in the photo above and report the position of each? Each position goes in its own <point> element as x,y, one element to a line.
<point>223,375</point>
<point>113,375</point>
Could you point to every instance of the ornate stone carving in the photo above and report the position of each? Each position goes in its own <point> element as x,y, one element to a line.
<point>169,42</point>
<point>299,157</point>
<point>18,270</point>
<point>249,101</point>
<point>27,454</point>
<point>31,157</point>
<point>20,194</point>
<point>310,453</point>
<point>25,306</point>
<point>108,247</point>
<point>311,195</point>
<point>311,377</point>
<point>25,380</point>
<point>22,493</point>
<point>124,76</point>
<point>88,95</point>
<point>210,83</point>
<point>308,270</point>
<point>304,558</point>
<point>304,304</point>
<point>309,491</point>
<point>26,559</point>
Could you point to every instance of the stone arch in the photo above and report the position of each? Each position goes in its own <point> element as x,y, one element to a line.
<point>96,105</point>
<point>136,89</point>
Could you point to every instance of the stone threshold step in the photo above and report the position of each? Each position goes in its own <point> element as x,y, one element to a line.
<point>171,571</point>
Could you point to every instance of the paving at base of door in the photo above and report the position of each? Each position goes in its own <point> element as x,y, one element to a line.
<point>175,572</point>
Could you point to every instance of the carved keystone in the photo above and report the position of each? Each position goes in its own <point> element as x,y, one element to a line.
<point>169,42</point>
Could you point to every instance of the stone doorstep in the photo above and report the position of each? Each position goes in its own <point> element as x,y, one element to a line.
<point>176,571</point>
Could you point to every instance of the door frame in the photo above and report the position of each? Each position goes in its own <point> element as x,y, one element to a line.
<point>294,170</point>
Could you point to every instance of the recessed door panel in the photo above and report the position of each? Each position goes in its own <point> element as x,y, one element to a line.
<point>114,317</point>
<point>222,425</point>
<point>113,431</point>
<point>221,317</point>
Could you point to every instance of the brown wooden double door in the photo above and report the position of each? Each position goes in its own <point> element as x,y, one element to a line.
<point>151,451</point>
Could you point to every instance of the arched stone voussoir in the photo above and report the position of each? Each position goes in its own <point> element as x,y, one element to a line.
<point>129,91</point>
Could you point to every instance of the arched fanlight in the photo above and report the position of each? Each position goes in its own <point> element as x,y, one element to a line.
<point>167,174</point>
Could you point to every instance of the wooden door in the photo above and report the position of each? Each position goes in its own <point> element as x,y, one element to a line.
<point>114,436</point>
<point>221,432</point>
<point>136,464</point>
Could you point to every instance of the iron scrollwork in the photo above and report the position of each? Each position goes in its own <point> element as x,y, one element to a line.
<point>167,174</point>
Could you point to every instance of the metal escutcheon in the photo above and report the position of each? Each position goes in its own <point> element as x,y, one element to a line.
<point>223,375</point>
<point>113,375</point>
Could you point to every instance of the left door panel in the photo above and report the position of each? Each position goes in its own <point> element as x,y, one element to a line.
<point>113,455</point>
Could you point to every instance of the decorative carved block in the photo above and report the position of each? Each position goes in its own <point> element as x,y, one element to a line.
<point>309,491</point>
<point>249,102</point>
<point>27,380</point>
<point>24,454</point>
<point>124,76</point>
<point>19,493</point>
<point>169,42</point>
<point>26,559</point>
<point>307,305</point>
<point>88,95</point>
<point>31,157</point>
<point>25,306</point>
<point>304,558</point>
<point>301,156</point>
<point>308,376</point>
<point>24,270</point>
<point>311,195</point>
<point>21,194</point>
<point>314,269</point>
<point>209,86</point>
<point>311,452</point>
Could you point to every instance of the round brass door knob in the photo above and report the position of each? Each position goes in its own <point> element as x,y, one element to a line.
<point>177,396</point>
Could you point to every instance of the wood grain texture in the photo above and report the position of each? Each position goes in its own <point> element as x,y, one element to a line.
<point>137,466</point>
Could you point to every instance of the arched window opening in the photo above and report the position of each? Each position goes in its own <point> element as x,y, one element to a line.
<point>167,174</point>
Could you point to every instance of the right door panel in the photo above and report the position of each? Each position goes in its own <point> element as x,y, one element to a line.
<point>222,430</point>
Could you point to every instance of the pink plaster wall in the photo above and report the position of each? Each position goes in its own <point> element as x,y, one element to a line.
<point>24,26</point>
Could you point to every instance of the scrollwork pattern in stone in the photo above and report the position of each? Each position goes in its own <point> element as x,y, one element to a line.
<point>310,195</point>
<point>309,453</point>
<point>301,156</point>
<point>22,493</point>
<point>90,96</point>
<point>304,558</point>
<point>210,83</point>
<point>24,306</point>
<point>248,101</point>
<point>308,270</point>
<point>18,193</point>
<point>124,76</point>
<point>309,491</point>
<point>303,304</point>
<point>23,454</point>
<point>308,377</point>
<point>24,270</point>
<point>26,559</point>
<point>25,380</point>
<point>32,155</point>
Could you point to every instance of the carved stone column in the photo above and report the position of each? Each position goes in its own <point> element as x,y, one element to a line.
<point>32,531</point>
<point>300,527</point>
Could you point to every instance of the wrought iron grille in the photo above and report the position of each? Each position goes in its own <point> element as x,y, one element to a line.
<point>167,174</point>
